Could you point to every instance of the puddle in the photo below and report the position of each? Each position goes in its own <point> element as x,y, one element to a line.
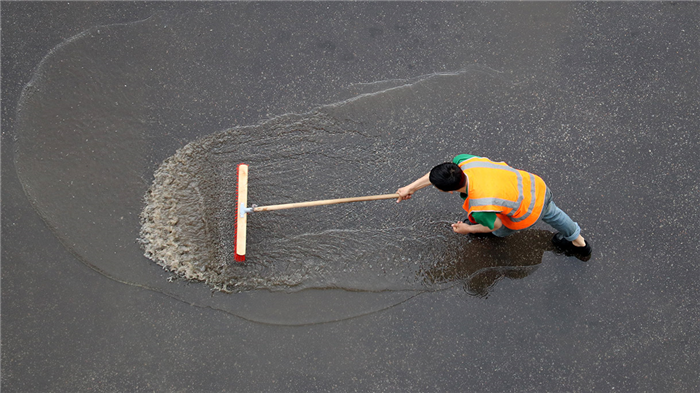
<point>123,148</point>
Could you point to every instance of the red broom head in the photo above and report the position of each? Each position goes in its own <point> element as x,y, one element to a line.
<point>239,242</point>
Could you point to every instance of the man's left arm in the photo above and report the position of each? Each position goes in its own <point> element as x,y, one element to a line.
<point>466,229</point>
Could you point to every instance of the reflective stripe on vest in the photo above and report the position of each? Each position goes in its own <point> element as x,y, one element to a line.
<point>492,191</point>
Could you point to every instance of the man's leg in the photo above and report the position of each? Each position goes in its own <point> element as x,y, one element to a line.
<point>560,221</point>
<point>503,231</point>
<point>569,230</point>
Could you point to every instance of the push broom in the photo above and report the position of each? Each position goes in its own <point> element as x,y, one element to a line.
<point>243,210</point>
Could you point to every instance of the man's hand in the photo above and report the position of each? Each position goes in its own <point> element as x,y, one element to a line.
<point>461,228</point>
<point>407,192</point>
<point>404,193</point>
<point>465,229</point>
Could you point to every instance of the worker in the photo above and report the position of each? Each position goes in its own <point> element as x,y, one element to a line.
<point>501,200</point>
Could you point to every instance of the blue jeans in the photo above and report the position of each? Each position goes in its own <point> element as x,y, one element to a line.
<point>553,216</point>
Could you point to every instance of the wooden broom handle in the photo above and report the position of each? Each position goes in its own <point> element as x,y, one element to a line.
<point>324,202</point>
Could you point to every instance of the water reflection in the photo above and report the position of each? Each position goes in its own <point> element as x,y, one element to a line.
<point>479,262</point>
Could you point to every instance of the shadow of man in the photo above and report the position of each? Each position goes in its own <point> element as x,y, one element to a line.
<point>484,260</point>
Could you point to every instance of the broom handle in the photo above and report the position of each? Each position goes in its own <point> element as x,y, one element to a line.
<point>324,202</point>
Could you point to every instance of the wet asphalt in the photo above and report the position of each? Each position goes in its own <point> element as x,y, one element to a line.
<point>623,159</point>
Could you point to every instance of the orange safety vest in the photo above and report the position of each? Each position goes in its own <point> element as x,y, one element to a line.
<point>517,197</point>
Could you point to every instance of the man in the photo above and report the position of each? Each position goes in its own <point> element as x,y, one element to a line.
<point>501,200</point>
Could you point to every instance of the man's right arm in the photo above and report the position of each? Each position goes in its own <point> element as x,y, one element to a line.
<point>406,192</point>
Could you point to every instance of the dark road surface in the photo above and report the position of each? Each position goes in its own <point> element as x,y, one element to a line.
<point>103,101</point>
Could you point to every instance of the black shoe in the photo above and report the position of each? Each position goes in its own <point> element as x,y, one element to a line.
<point>569,249</point>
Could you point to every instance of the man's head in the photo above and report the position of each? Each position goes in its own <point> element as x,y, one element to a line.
<point>447,177</point>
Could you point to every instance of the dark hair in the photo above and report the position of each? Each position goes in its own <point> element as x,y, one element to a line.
<point>448,177</point>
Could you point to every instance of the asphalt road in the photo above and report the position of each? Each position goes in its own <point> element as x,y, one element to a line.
<point>601,99</point>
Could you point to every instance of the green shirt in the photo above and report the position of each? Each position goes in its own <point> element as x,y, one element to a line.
<point>487,219</point>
